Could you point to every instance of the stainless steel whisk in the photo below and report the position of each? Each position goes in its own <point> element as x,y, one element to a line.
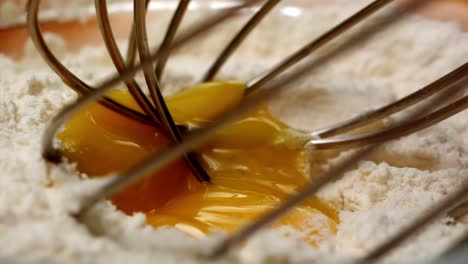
<point>157,113</point>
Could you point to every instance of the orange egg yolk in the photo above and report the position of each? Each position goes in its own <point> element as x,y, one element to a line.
<point>254,164</point>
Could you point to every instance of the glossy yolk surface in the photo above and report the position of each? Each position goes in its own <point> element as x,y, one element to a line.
<point>254,164</point>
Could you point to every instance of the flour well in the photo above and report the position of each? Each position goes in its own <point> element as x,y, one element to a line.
<point>374,199</point>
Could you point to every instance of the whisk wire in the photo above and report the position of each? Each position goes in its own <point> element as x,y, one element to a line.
<point>155,91</point>
<point>67,76</point>
<point>392,108</point>
<point>404,128</point>
<point>117,59</point>
<point>362,14</point>
<point>170,35</point>
<point>417,224</point>
<point>132,44</point>
<point>239,38</point>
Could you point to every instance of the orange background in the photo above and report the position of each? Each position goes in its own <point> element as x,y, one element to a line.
<point>12,39</point>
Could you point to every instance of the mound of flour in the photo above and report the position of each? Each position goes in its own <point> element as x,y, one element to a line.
<point>374,199</point>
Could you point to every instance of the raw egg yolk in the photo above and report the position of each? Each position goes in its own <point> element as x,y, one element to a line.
<point>254,164</point>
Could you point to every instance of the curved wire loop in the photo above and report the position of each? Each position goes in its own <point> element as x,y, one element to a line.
<point>117,59</point>
<point>155,91</point>
<point>67,76</point>
<point>401,129</point>
<point>167,41</point>
<point>394,107</point>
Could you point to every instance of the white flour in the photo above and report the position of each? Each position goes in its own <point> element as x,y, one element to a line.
<point>376,198</point>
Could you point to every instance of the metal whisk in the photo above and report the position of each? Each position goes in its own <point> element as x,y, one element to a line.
<point>156,112</point>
